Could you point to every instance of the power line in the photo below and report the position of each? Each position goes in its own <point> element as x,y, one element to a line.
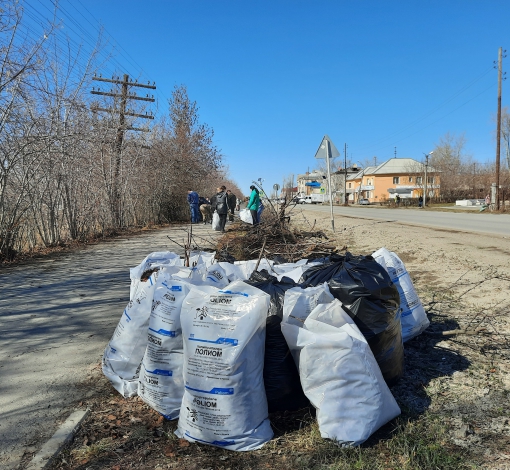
<point>442,117</point>
<point>428,113</point>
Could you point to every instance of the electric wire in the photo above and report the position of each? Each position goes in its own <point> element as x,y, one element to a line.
<point>427,114</point>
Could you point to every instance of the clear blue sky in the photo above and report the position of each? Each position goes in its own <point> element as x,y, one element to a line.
<point>272,77</point>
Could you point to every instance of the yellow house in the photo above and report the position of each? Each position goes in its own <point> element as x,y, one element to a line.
<point>402,176</point>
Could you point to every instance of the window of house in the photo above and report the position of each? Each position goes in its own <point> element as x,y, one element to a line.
<point>396,180</point>
<point>410,179</point>
<point>430,180</point>
<point>419,180</point>
<point>350,185</point>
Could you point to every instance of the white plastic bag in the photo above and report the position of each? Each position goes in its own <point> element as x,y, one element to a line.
<point>224,402</point>
<point>245,216</point>
<point>246,268</point>
<point>299,303</point>
<point>158,258</point>
<point>216,221</point>
<point>161,384</point>
<point>339,375</point>
<point>413,318</point>
<point>198,257</point>
<point>124,352</point>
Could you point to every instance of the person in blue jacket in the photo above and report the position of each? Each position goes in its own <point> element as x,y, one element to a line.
<point>193,205</point>
<point>253,204</point>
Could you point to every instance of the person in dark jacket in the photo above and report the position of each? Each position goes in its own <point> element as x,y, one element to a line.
<point>219,203</point>
<point>193,205</point>
<point>231,199</point>
<point>254,204</point>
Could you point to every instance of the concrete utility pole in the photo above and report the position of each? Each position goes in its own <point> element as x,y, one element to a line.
<point>122,128</point>
<point>498,132</point>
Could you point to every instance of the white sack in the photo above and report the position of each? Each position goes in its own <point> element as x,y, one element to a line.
<point>293,271</point>
<point>158,258</point>
<point>299,303</point>
<point>340,375</point>
<point>246,268</point>
<point>198,257</point>
<point>201,275</point>
<point>245,216</point>
<point>224,402</point>
<point>160,384</point>
<point>233,271</point>
<point>216,222</point>
<point>124,352</point>
<point>413,318</point>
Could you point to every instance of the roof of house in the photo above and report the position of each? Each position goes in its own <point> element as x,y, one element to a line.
<point>393,166</point>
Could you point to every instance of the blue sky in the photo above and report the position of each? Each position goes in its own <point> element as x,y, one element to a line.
<point>272,77</point>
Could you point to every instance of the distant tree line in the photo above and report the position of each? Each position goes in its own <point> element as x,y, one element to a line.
<point>461,176</point>
<point>60,176</point>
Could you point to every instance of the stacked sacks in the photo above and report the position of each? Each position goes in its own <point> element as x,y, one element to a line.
<point>413,317</point>
<point>224,402</point>
<point>281,378</point>
<point>337,369</point>
<point>161,385</point>
<point>371,299</point>
<point>125,350</point>
<point>124,353</point>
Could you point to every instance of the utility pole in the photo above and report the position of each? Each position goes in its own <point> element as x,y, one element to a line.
<point>425,182</point>
<point>498,132</point>
<point>328,154</point>
<point>124,96</point>
<point>474,182</point>
<point>345,175</point>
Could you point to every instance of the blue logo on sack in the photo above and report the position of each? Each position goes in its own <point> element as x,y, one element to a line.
<point>214,443</point>
<point>162,332</point>
<point>166,373</point>
<point>213,391</point>
<point>234,293</point>
<point>232,341</point>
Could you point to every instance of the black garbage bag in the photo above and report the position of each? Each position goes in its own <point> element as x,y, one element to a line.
<point>281,377</point>
<point>372,301</point>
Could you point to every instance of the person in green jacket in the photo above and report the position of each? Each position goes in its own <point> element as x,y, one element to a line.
<point>253,204</point>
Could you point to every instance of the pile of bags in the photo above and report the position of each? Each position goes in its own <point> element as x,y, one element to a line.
<point>220,345</point>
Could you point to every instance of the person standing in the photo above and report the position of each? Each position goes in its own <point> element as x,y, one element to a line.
<point>253,204</point>
<point>193,205</point>
<point>231,199</point>
<point>219,203</point>
<point>420,201</point>
<point>205,210</point>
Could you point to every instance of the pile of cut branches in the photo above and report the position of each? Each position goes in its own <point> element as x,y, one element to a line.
<point>275,239</point>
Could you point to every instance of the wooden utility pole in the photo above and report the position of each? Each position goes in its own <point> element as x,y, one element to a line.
<point>345,175</point>
<point>124,96</point>
<point>498,132</point>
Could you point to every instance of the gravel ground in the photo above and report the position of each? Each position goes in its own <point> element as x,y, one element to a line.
<point>462,381</point>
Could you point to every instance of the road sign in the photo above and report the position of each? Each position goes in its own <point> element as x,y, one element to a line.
<point>322,150</point>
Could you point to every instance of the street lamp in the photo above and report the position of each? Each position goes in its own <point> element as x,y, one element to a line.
<point>427,155</point>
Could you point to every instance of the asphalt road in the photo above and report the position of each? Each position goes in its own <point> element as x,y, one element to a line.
<point>468,221</point>
<point>56,316</point>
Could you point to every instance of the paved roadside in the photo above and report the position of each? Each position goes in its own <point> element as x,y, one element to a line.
<point>56,316</point>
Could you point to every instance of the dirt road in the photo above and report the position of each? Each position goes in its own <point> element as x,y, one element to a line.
<point>56,316</point>
<point>462,278</point>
